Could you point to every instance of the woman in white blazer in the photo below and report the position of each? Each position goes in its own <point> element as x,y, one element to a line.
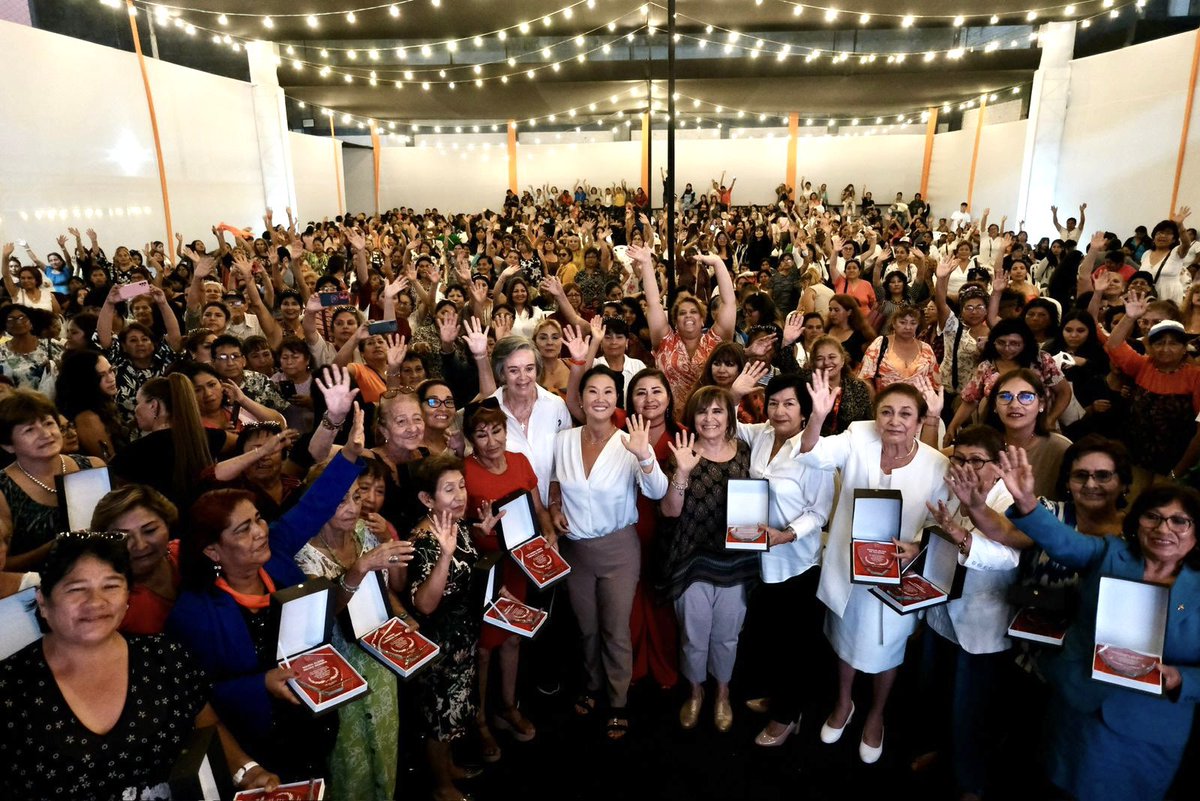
<point>881,454</point>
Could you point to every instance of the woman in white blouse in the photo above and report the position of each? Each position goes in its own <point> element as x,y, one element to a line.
<point>784,618</point>
<point>593,502</point>
<point>881,454</point>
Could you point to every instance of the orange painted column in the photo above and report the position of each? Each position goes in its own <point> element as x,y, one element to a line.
<point>376,154</point>
<point>1187,122</point>
<point>975,150</point>
<point>930,130</point>
<point>162,170</point>
<point>793,136</point>
<point>337,170</point>
<point>512,155</point>
<point>646,154</point>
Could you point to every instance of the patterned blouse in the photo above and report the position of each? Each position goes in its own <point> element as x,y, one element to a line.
<point>49,753</point>
<point>893,369</point>
<point>986,375</point>
<point>130,378</point>
<point>683,371</point>
<point>28,369</point>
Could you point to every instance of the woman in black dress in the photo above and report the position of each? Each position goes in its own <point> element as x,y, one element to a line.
<point>83,704</point>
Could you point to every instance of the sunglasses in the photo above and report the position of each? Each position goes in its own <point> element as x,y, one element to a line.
<point>83,535</point>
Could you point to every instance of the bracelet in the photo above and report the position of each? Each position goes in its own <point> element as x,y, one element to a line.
<point>681,487</point>
<point>644,463</point>
<point>240,776</point>
<point>327,423</point>
<point>577,362</point>
<point>342,583</point>
<point>964,545</point>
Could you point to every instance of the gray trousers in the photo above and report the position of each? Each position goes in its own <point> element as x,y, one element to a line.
<point>710,620</point>
<point>603,578</point>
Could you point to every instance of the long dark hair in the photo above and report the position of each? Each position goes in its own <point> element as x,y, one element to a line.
<point>1092,349</point>
<point>672,427</point>
<point>78,388</point>
<point>1028,356</point>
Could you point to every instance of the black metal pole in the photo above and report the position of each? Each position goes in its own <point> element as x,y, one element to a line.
<point>669,189</point>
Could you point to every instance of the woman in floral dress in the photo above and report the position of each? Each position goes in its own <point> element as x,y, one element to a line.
<point>440,586</point>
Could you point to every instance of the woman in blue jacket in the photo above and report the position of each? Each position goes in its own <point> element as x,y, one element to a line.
<point>231,563</point>
<point>1108,742</point>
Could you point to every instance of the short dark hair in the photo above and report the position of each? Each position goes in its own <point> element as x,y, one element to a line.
<point>226,341</point>
<point>793,381</point>
<point>981,436</point>
<point>900,388</point>
<point>1153,497</point>
<point>1095,443</point>
<point>66,552</point>
<point>618,380</point>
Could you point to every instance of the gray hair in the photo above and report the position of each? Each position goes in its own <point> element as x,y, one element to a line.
<point>506,347</point>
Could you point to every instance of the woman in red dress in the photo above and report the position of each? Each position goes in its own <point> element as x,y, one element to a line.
<point>492,473</point>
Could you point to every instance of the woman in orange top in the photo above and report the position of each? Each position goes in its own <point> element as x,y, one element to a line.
<point>381,357</point>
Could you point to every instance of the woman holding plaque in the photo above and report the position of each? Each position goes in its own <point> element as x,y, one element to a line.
<point>363,763</point>
<point>598,475</point>
<point>492,472</point>
<point>1110,742</point>
<point>707,582</point>
<point>784,620</point>
<point>440,585</point>
<point>231,562</point>
<point>886,454</point>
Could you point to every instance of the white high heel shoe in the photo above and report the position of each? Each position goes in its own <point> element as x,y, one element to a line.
<point>830,735</point>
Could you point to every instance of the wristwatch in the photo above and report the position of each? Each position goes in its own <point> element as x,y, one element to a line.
<point>242,771</point>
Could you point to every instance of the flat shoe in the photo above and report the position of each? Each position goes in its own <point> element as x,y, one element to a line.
<point>771,741</point>
<point>722,715</point>
<point>870,754</point>
<point>830,735</point>
<point>689,713</point>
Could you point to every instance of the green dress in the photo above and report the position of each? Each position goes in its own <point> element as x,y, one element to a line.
<point>363,762</point>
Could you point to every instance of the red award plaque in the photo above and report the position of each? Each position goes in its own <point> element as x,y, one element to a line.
<point>876,562</point>
<point>325,679</point>
<point>312,790</point>
<point>541,563</point>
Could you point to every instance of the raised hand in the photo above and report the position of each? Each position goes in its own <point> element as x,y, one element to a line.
<point>475,337</point>
<point>502,326</point>
<point>1018,477</point>
<point>747,380</point>
<point>823,396</point>
<point>1181,215</point>
<point>684,451</point>
<point>553,287</point>
<point>353,237</point>
<point>339,395</point>
<point>280,442</point>
<point>945,267</point>
<point>577,344</point>
<point>638,440</point>
<point>393,288</point>
<point>1000,281</point>
<point>642,256</point>
<point>1136,304</point>
<point>967,485</point>
<point>487,520</point>
<point>391,554</point>
<point>761,347</point>
<point>445,531</point>
<point>448,328</point>
<point>397,349</point>
<point>934,396</point>
<point>61,239</point>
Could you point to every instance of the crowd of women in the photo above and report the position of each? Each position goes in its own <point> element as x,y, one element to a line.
<point>354,399</point>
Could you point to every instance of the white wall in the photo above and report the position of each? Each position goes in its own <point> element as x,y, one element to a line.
<point>316,181</point>
<point>77,148</point>
<point>1122,136</point>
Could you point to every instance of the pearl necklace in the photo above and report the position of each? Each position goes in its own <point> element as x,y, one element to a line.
<point>52,490</point>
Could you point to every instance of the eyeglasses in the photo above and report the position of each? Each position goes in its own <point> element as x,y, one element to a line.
<point>433,403</point>
<point>1176,524</point>
<point>1025,397</point>
<point>976,462</point>
<point>1099,476</point>
<point>227,357</point>
<point>16,318</point>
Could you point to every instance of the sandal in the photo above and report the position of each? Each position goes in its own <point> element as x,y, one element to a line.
<point>585,705</point>
<point>488,747</point>
<point>511,720</point>
<point>617,727</point>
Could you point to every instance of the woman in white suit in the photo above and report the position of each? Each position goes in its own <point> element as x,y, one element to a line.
<point>882,454</point>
